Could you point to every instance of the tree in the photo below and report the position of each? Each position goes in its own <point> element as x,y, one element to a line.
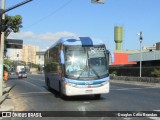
<point>14,24</point>
<point>155,72</point>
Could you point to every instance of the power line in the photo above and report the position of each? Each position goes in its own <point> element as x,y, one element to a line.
<point>52,13</point>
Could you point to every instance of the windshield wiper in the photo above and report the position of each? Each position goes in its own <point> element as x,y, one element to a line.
<point>86,66</point>
<point>95,72</point>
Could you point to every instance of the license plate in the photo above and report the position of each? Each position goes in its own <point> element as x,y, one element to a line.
<point>89,91</point>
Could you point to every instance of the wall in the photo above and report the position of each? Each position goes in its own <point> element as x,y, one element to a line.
<point>121,59</point>
<point>137,79</point>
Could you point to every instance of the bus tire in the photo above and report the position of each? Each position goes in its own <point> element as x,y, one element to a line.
<point>48,85</point>
<point>97,96</point>
<point>60,92</point>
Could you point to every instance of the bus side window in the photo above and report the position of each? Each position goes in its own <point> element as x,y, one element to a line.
<point>55,67</point>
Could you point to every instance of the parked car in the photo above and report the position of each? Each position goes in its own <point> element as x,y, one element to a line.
<point>12,73</point>
<point>22,74</point>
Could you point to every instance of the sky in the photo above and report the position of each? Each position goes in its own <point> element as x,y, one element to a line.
<point>45,21</point>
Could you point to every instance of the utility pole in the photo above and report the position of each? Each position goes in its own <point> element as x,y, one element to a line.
<point>140,40</point>
<point>2,50</point>
<point>2,37</point>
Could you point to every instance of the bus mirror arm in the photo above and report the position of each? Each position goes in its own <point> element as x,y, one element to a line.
<point>62,57</point>
<point>112,56</point>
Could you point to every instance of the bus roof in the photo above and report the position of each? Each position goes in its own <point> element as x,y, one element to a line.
<point>78,41</point>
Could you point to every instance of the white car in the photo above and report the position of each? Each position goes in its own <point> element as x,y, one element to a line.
<point>22,74</point>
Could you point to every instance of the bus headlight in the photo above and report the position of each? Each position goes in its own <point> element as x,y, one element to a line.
<point>104,83</point>
<point>71,84</point>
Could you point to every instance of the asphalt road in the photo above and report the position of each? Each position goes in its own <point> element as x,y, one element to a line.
<point>31,94</point>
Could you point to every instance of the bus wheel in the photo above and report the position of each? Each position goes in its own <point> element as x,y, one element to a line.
<point>97,96</point>
<point>48,85</point>
<point>60,92</point>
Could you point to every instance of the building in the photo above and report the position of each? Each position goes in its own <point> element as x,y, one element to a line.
<point>128,64</point>
<point>121,58</point>
<point>40,54</point>
<point>14,54</point>
<point>29,54</point>
<point>26,54</point>
<point>149,57</point>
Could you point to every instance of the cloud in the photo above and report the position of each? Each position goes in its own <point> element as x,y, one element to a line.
<point>45,36</point>
<point>21,35</point>
<point>42,40</point>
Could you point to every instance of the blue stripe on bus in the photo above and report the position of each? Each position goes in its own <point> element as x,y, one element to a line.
<point>90,82</point>
<point>86,41</point>
<point>80,41</point>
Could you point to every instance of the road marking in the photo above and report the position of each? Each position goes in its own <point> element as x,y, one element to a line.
<point>127,118</point>
<point>82,108</point>
<point>34,93</point>
<point>135,88</point>
<point>115,87</point>
<point>155,118</point>
<point>36,79</point>
<point>86,102</point>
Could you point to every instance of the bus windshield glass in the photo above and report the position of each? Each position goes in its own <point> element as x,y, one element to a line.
<point>84,63</point>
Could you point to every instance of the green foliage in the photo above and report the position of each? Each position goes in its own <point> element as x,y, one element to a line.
<point>14,23</point>
<point>13,64</point>
<point>114,72</point>
<point>35,65</point>
<point>156,73</point>
<point>8,62</point>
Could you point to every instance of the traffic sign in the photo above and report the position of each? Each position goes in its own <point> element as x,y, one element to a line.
<point>14,43</point>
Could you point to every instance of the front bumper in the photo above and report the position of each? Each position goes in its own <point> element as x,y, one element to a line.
<point>72,89</point>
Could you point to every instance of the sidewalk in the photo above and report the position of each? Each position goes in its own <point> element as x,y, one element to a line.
<point>6,103</point>
<point>136,83</point>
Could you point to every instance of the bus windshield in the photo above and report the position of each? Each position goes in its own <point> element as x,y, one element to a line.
<point>84,63</point>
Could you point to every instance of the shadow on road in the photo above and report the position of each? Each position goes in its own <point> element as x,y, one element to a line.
<point>73,98</point>
<point>15,78</point>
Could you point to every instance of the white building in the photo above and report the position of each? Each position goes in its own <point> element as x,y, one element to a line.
<point>26,54</point>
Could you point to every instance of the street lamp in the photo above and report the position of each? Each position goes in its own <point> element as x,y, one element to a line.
<point>98,1</point>
<point>2,39</point>
<point>140,40</point>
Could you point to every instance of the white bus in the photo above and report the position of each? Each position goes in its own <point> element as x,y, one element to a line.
<point>77,66</point>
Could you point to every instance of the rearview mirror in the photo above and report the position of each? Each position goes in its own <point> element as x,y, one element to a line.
<point>62,57</point>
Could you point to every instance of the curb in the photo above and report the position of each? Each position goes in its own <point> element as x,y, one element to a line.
<point>7,89</point>
<point>3,98</point>
<point>136,83</point>
<point>137,79</point>
<point>5,94</point>
<point>5,102</point>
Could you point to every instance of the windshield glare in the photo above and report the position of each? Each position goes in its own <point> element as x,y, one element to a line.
<point>86,62</point>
